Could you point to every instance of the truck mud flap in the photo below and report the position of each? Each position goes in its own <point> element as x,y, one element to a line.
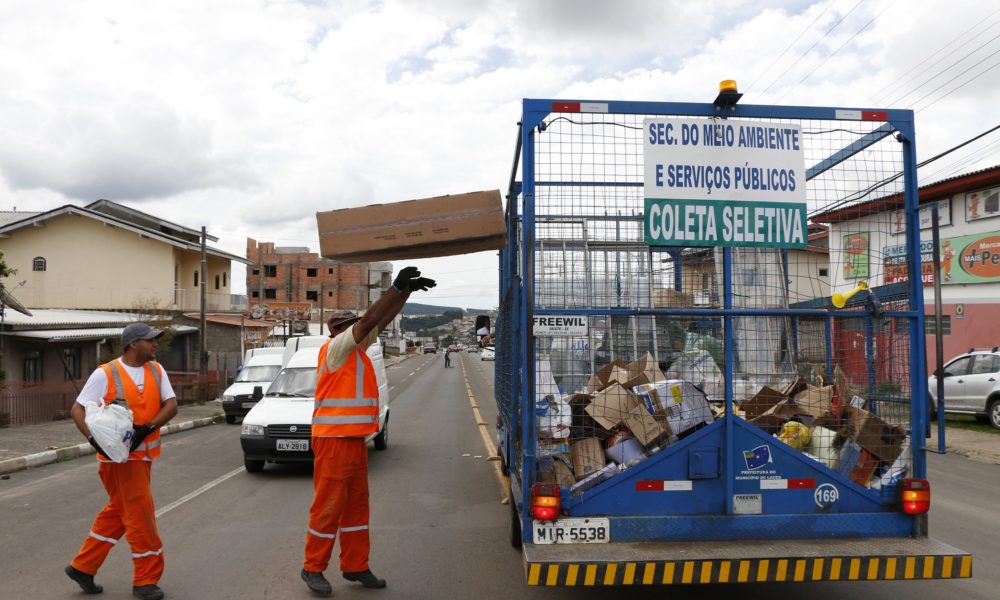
<point>672,563</point>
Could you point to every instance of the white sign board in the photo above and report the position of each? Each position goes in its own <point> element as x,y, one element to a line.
<point>718,182</point>
<point>560,326</point>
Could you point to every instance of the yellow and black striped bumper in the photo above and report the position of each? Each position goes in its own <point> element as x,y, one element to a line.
<point>938,563</point>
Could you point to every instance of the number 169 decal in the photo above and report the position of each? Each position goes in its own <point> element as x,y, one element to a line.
<point>826,495</point>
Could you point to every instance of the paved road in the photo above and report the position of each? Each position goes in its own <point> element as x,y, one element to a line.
<point>439,528</point>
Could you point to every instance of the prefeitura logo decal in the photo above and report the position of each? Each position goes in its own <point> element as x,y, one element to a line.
<point>758,457</point>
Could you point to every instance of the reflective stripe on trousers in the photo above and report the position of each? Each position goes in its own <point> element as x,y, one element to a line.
<point>340,504</point>
<point>129,512</point>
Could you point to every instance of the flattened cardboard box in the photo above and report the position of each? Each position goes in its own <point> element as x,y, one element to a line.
<point>609,406</point>
<point>882,440</point>
<point>441,226</point>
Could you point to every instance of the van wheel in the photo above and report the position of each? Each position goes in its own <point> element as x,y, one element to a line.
<point>230,419</point>
<point>515,520</point>
<point>253,466</point>
<point>382,439</point>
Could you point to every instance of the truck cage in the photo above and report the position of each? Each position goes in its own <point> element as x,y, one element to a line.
<point>799,398</point>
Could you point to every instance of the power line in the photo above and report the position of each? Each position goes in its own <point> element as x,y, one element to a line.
<point>953,90</point>
<point>807,50</point>
<point>832,54</point>
<point>946,70</point>
<point>789,46</point>
<point>878,96</point>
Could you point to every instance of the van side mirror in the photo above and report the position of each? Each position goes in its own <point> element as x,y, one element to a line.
<point>258,392</point>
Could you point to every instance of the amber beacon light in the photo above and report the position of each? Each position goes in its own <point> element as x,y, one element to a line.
<point>728,96</point>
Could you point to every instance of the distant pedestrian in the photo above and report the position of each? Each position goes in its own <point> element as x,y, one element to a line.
<point>447,358</point>
<point>140,381</point>
<point>345,414</point>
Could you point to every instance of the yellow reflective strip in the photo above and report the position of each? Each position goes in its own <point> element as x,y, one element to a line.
<point>534,569</point>
<point>855,569</point>
<point>890,568</point>
<point>668,573</point>
<point>609,574</point>
<point>966,570</point>
<point>706,571</point>
<point>553,576</point>
<point>873,568</point>
<point>782,570</point>
<point>928,567</point>
<point>835,569</point>
<point>800,570</point>
<point>911,567</point>
<point>687,576</point>
<point>762,570</point>
<point>946,567</point>
<point>724,567</point>
<point>817,569</point>
<point>744,573</point>
<point>571,573</point>
<point>629,577</point>
<point>591,575</point>
<point>647,575</point>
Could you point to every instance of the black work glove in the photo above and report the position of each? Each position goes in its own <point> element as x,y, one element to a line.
<point>421,284</point>
<point>402,280</point>
<point>139,433</point>
<point>97,446</point>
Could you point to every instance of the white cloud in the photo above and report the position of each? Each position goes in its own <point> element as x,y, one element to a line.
<point>249,116</point>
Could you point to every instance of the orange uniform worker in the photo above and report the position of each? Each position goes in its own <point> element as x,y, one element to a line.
<point>143,384</point>
<point>345,414</point>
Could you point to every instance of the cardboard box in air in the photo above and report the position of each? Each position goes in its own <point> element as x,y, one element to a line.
<point>587,456</point>
<point>609,406</point>
<point>882,440</point>
<point>774,418</point>
<point>606,375</point>
<point>441,226</point>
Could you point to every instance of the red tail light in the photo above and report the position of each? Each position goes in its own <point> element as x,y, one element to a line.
<point>916,496</point>
<point>545,501</point>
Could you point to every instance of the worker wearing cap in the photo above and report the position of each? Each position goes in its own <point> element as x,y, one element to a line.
<point>139,380</point>
<point>345,414</point>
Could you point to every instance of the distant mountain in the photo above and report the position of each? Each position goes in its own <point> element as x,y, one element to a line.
<point>415,308</point>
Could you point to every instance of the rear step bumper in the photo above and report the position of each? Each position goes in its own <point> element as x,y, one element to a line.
<point>666,563</point>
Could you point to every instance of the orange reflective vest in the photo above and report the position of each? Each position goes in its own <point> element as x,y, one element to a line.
<point>346,399</point>
<point>144,405</point>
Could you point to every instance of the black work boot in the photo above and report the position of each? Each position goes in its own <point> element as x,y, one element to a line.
<point>317,583</point>
<point>147,592</point>
<point>365,578</point>
<point>86,580</point>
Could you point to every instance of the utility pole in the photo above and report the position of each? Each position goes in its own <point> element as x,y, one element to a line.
<point>202,353</point>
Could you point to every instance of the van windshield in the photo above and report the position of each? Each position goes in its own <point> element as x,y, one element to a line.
<point>259,373</point>
<point>294,383</point>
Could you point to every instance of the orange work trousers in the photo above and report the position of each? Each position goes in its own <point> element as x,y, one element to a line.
<point>130,512</point>
<point>340,503</point>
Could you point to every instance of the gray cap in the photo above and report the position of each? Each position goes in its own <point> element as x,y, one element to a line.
<point>139,331</point>
<point>341,317</point>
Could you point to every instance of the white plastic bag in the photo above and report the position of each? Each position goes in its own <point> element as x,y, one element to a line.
<point>111,425</point>
<point>555,418</point>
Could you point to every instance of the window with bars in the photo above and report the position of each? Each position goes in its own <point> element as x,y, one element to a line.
<point>930,325</point>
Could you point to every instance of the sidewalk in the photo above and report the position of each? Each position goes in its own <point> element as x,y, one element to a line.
<point>35,445</point>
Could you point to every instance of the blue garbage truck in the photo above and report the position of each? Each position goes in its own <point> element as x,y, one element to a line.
<point>709,346</point>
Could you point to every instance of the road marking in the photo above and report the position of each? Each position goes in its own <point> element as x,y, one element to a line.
<point>197,492</point>
<point>491,449</point>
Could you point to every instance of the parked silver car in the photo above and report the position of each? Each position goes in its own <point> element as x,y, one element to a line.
<point>971,386</point>
<point>488,353</point>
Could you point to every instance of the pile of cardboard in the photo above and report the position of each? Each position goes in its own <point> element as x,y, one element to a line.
<point>843,436</point>
<point>628,412</point>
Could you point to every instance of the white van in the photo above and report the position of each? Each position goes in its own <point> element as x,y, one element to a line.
<point>279,427</point>
<point>259,369</point>
<point>294,344</point>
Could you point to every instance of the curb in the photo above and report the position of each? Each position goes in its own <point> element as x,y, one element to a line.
<point>12,465</point>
